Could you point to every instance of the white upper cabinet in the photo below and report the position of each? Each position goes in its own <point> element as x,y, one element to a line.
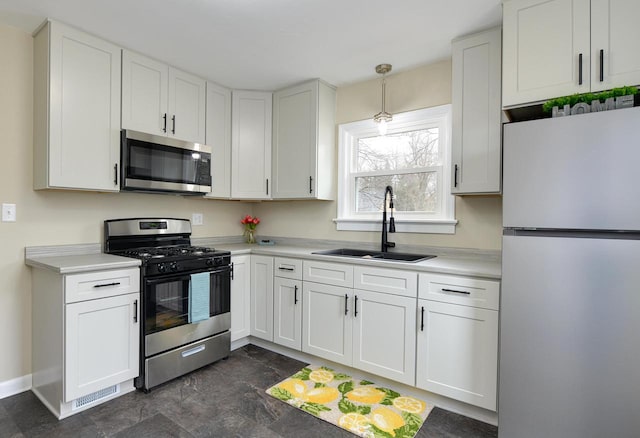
<point>161,100</point>
<point>614,43</point>
<point>559,47</point>
<point>218,137</point>
<point>303,141</point>
<point>477,125</point>
<point>77,110</point>
<point>251,144</point>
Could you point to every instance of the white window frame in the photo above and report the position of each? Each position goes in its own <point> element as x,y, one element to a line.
<point>406,222</point>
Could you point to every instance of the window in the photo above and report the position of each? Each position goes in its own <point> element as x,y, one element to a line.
<point>413,158</point>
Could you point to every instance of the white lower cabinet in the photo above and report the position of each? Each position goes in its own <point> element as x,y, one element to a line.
<point>327,326</point>
<point>287,312</point>
<point>240,297</point>
<point>372,331</point>
<point>457,343</point>
<point>102,342</point>
<point>384,337</point>
<point>262,297</point>
<point>86,337</point>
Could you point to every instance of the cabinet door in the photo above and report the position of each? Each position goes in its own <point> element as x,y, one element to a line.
<point>218,137</point>
<point>240,297</point>
<point>615,59</point>
<point>187,95</point>
<point>542,44</point>
<point>145,85</point>
<point>251,145</point>
<point>295,136</point>
<point>102,339</point>
<point>477,128</point>
<point>287,312</point>
<point>458,352</point>
<point>384,336</point>
<point>84,110</point>
<point>262,297</point>
<point>326,322</point>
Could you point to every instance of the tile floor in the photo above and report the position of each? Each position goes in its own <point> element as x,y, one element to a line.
<point>226,399</point>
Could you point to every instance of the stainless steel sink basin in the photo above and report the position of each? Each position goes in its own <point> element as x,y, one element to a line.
<point>376,255</point>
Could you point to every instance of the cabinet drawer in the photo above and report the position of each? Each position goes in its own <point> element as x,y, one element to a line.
<point>337,274</point>
<point>389,281</point>
<point>287,268</point>
<point>102,284</point>
<point>460,290</point>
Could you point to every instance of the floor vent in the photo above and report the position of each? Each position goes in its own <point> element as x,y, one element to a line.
<point>95,396</point>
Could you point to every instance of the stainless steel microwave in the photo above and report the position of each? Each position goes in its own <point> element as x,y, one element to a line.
<point>153,163</point>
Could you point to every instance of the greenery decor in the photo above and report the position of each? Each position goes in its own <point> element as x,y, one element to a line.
<point>587,97</point>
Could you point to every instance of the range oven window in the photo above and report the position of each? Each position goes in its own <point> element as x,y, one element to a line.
<point>167,299</point>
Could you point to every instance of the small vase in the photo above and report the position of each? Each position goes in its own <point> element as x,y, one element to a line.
<point>250,236</point>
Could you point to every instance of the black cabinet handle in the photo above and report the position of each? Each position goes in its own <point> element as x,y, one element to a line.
<point>107,284</point>
<point>310,185</point>
<point>455,176</point>
<point>232,271</point>
<point>115,174</point>
<point>282,268</point>
<point>422,320</point>
<point>135,311</point>
<point>173,120</point>
<point>457,291</point>
<point>164,126</point>
<point>355,306</point>
<point>267,186</point>
<point>295,295</point>
<point>346,304</point>
<point>580,69</point>
<point>601,65</point>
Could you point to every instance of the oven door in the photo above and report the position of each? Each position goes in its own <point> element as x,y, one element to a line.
<point>166,310</point>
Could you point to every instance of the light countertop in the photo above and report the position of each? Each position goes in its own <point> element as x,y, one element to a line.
<point>468,265</point>
<point>71,264</point>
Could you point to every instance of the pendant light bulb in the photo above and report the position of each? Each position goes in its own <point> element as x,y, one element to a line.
<point>383,117</point>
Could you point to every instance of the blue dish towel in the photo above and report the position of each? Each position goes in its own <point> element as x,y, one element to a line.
<point>199,297</point>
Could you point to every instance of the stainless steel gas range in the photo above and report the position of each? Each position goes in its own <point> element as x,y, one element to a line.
<point>185,298</point>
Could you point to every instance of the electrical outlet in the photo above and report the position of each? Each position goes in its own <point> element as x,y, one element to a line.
<point>197,219</point>
<point>8,212</point>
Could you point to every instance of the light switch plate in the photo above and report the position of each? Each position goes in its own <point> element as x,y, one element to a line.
<point>197,219</point>
<point>8,212</point>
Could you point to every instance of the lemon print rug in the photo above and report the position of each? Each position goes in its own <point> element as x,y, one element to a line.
<point>357,405</point>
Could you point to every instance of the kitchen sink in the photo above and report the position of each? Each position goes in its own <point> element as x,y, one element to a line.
<point>376,255</point>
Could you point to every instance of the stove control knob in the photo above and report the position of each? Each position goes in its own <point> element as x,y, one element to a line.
<point>162,267</point>
<point>211,262</point>
<point>173,266</point>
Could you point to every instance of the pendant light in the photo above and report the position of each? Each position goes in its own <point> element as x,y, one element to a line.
<point>383,117</point>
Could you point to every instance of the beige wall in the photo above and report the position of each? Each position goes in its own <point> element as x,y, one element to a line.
<point>479,217</point>
<point>57,217</point>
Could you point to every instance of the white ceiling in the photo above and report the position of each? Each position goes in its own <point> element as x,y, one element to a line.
<point>269,44</point>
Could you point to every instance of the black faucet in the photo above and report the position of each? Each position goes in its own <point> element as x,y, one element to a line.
<point>392,224</point>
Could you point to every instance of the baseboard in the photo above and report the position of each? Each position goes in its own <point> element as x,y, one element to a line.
<point>15,386</point>
<point>238,343</point>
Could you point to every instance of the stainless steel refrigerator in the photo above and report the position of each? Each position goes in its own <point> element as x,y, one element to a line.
<point>570,298</point>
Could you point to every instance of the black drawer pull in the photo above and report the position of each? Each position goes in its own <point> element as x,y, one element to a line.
<point>107,284</point>
<point>173,128</point>
<point>346,304</point>
<point>135,311</point>
<point>457,291</point>
<point>355,306</point>
<point>580,69</point>
<point>282,268</point>
<point>422,320</point>
<point>295,295</point>
<point>601,65</point>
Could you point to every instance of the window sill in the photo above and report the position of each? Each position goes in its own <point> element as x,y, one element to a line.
<point>439,226</point>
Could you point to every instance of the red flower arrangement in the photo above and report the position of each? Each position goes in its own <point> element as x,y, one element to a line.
<point>250,223</point>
